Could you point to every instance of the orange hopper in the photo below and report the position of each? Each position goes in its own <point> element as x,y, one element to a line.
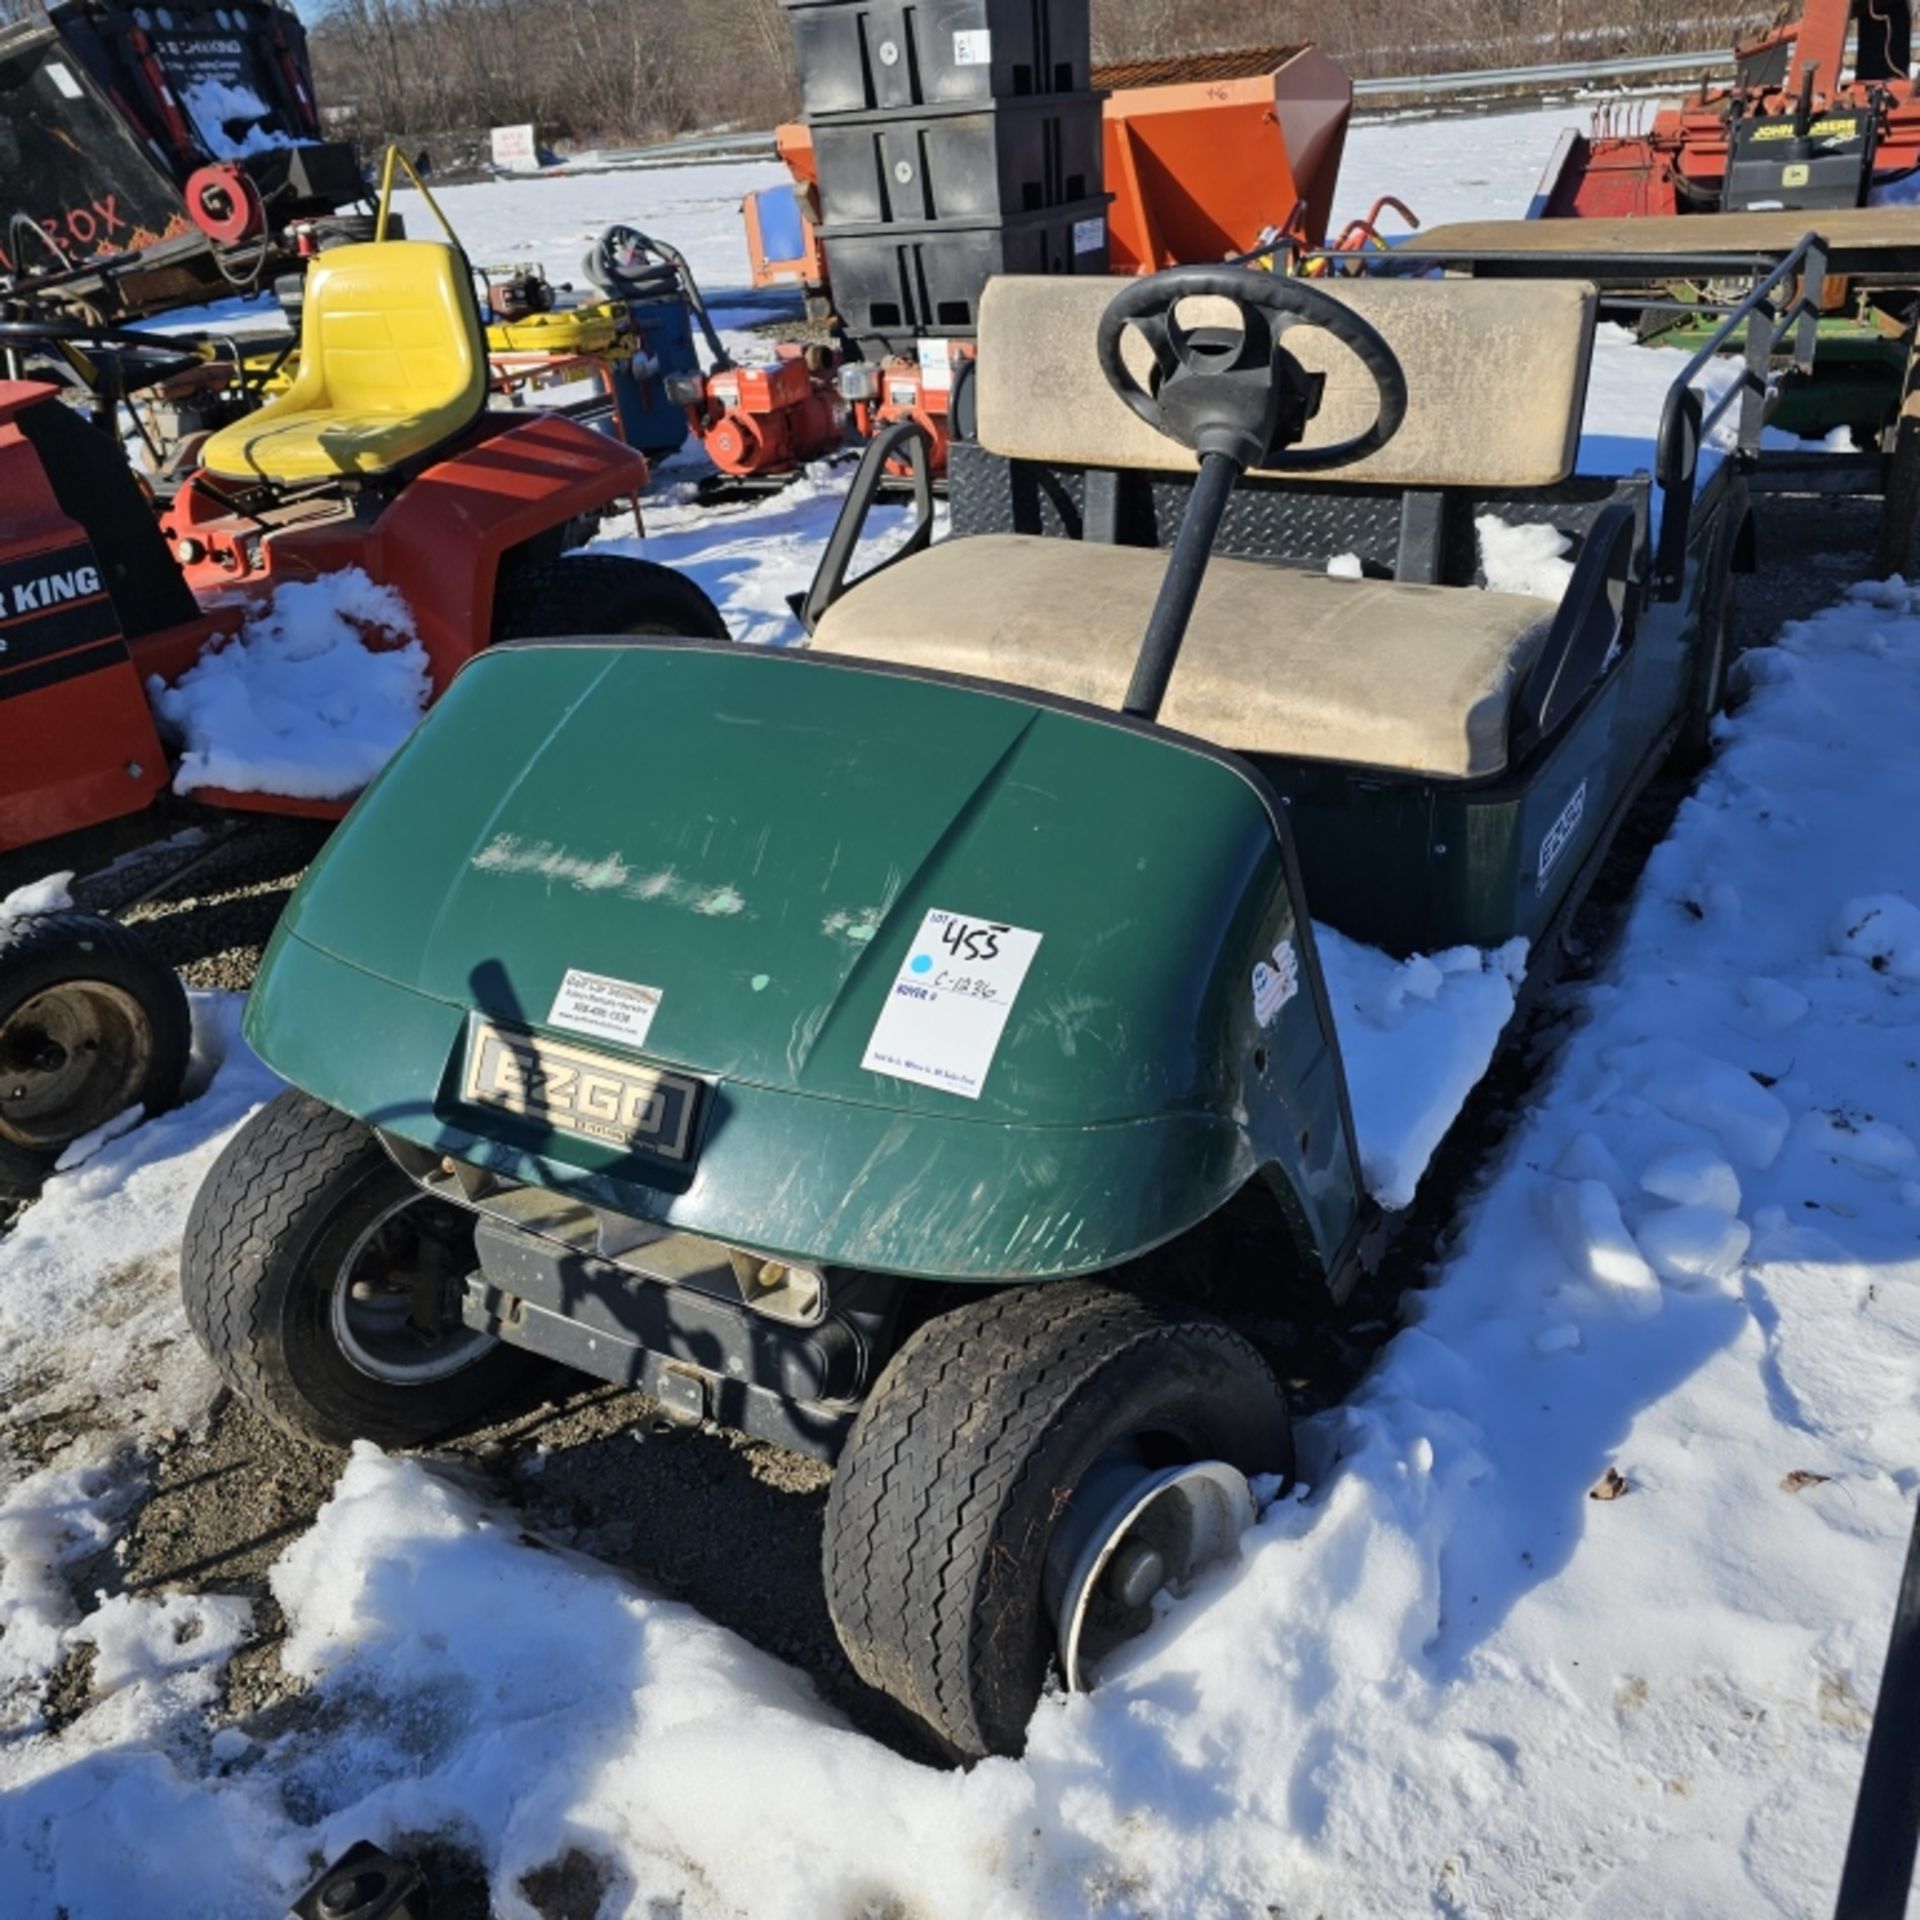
<point>1206,156</point>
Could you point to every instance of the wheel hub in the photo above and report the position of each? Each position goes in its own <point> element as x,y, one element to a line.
<point>70,1059</point>
<point>1128,1532</point>
<point>395,1311</point>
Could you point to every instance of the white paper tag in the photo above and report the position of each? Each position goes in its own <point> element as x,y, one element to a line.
<point>936,363</point>
<point>62,79</point>
<point>973,48</point>
<point>1090,235</point>
<point>609,1009</point>
<point>1274,985</point>
<point>949,1003</point>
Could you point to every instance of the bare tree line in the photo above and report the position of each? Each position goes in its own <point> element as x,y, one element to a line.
<point>629,70</point>
<point>624,70</point>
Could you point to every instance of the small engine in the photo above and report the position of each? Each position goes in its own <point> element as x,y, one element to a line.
<point>766,418</point>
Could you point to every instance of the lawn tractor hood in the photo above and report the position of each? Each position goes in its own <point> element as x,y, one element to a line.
<point>817,959</point>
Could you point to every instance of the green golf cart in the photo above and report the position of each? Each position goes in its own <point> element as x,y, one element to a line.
<point>913,1050</point>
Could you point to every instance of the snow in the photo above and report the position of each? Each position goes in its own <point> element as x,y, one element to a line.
<point>1884,931</point>
<point>87,1278</point>
<point>310,699</point>
<point>1416,1036</point>
<point>46,895</point>
<point>1441,1679</point>
<point>213,105</point>
<point>1523,559</point>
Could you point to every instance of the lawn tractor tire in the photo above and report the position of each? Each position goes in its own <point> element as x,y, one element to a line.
<point>584,594</point>
<point>293,1274</point>
<point>962,1461</point>
<point>92,1022</point>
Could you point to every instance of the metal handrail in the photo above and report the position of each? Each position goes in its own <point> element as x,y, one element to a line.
<point>1808,264</point>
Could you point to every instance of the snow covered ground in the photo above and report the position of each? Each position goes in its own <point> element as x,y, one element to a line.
<point>1443,1678</point>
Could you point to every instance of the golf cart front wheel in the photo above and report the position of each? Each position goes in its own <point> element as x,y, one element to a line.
<point>92,1023</point>
<point>326,1286</point>
<point>1030,1470</point>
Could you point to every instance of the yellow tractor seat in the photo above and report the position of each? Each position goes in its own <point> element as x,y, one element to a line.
<point>392,365</point>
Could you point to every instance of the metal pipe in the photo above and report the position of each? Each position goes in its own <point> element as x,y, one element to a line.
<point>1885,1842</point>
<point>1180,587</point>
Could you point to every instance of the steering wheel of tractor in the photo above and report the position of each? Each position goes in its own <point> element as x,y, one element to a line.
<point>1242,393</point>
<point>82,345</point>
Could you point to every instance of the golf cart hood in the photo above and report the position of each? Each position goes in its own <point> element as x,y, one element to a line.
<point>744,848</point>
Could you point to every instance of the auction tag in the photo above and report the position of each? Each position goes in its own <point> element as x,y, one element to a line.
<point>1089,236</point>
<point>949,1003</point>
<point>936,363</point>
<point>609,1009</point>
<point>973,47</point>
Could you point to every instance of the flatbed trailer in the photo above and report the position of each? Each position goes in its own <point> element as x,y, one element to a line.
<point>1674,277</point>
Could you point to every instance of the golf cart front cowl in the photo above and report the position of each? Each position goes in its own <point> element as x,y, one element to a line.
<point>758,839</point>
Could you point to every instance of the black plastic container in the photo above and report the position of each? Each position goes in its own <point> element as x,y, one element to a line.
<point>893,285</point>
<point>861,56</point>
<point>960,162</point>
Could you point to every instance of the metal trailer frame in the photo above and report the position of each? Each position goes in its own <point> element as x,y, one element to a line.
<point>1866,248</point>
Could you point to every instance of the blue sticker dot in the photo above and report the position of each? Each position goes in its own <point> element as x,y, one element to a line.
<point>922,963</point>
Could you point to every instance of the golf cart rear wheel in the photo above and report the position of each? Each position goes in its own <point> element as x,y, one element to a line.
<point>602,593</point>
<point>92,1022</point>
<point>959,1472</point>
<point>326,1286</point>
<point>1708,697</point>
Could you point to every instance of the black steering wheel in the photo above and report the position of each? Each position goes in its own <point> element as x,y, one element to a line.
<point>1242,394</point>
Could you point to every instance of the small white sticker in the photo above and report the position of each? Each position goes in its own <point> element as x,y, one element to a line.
<point>1562,830</point>
<point>1274,985</point>
<point>1089,236</point>
<point>949,1003</point>
<point>609,1009</point>
<point>936,363</point>
<point>973,47</point>
<point>62,79</point>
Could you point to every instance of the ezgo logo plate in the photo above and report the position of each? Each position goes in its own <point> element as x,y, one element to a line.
<point>579,1092</point>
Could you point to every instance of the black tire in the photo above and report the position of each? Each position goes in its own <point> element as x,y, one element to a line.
<point>945,1499</point>
<point>1694,747</point>
<point>92,1022</point>
<point>271,1241</point>
<point>594,593</point>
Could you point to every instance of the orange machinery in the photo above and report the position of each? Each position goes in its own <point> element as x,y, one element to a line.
<point>1208,157</point>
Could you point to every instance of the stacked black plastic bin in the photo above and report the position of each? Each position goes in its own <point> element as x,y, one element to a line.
<point>954,139</point>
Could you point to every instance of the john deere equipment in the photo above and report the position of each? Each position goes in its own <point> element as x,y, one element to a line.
<point>914,1050</point>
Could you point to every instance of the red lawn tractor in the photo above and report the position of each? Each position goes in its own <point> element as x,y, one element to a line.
<point>383,456</point>
<point>1802,127</point>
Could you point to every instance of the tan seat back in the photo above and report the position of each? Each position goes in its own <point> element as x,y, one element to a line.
<point>1496,379</point>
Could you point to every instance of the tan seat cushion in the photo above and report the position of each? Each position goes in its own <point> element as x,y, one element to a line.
<point>1496,379</point>
<point>1277,661</point>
